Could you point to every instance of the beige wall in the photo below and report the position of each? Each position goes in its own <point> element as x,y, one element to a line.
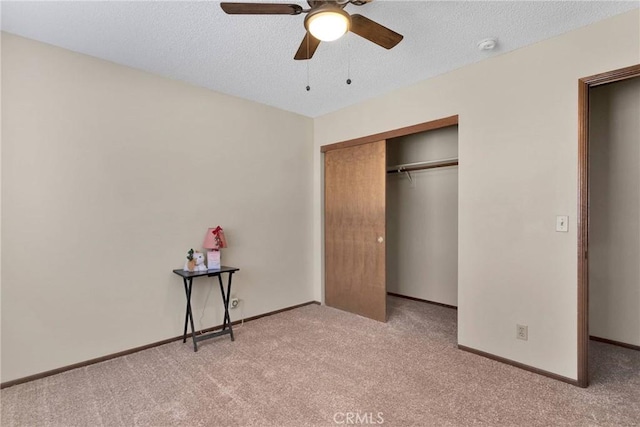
<point>1,36</point>
<point>614,228</point>
<point>518,156</point>
<point>422,218</point>
<point>109,175</point>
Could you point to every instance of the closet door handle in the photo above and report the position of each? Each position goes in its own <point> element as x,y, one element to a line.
<point>380,239</point>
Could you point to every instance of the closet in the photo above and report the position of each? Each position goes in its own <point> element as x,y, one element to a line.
<point>390,218</point>
<point>422,216</point>
<point>614,222</point>
<point>608,220</point>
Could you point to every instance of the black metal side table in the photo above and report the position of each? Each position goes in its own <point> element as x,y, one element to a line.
<point>187,278</point>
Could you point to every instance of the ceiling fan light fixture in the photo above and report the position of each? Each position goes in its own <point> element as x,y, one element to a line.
<point>327,24</point>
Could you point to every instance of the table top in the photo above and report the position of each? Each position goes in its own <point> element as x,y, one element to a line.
<point>223,269</point>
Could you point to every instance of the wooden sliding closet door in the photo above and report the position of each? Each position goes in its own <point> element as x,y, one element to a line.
<point>355,188</point>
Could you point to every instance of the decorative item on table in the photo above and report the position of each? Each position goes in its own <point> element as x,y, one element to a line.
<point>214,240</point>
<point>195,261</point>
<point>213,260</point>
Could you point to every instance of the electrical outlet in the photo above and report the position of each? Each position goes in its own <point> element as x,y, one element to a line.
<point>522,332</point>
<point>234,302</point>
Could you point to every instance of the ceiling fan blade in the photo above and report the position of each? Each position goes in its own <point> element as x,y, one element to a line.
<point>261,8</point>
<point>374,32</point>
<point>307,47</point>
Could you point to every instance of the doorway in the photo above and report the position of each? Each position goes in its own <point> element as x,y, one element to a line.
<point>422,216</point>
<point>355,220</point>
<point>585,176</point>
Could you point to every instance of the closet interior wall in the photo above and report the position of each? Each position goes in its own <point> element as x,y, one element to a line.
<point>614,217</point>
<point>422,218</point>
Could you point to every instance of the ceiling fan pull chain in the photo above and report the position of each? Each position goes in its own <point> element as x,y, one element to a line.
<point>308,86</point>
<point>348,61</point>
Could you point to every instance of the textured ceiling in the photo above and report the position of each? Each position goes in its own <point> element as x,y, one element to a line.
<point>252,56</point>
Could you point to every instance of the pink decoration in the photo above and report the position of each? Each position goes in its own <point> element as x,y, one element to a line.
<point>215,239</point>
<point>213,260</point>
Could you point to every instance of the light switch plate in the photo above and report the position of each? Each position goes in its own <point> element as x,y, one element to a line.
<point>562,223</point>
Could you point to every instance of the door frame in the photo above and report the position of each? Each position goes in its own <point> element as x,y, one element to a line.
<point>408,130</point>
<point>584,84</point>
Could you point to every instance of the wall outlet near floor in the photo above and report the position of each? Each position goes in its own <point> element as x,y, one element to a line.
<point>234,302</point>
<point>522,332</point>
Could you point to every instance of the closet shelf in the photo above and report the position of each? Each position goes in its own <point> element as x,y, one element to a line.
<point>410,167</point>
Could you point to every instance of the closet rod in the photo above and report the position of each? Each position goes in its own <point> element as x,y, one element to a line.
<point>410,167</point>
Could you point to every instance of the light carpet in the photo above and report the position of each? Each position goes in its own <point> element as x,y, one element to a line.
<point>317,366</point>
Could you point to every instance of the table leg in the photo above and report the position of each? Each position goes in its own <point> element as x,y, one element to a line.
<point>188,282</point>
<point>187,285</point>
<point>225,299</point>
<point>227,310</point>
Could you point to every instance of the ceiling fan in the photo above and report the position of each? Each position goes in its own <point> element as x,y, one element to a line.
<point>325,21</point>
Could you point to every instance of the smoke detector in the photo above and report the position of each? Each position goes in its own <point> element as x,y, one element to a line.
<point>487,44</point>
